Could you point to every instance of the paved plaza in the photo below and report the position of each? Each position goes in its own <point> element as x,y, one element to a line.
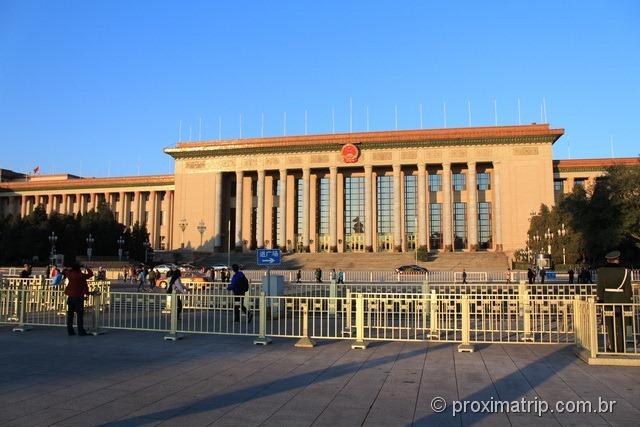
<point>136,378</point>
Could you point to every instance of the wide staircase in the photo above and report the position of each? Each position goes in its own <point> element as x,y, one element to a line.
<point>471,261</point>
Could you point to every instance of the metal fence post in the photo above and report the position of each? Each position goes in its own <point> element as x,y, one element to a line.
<point>173,331</point>
<point>525,310</point>
<point>14,317</point>
<point>22,311</point>
<point>305,341</point>
<point>97,306</point>
<point>347,330</point>
<point>262,328</point>
<point>465,345</point>
<point>433,315</point>
<point>333,294</point>
<point>593,327</point>
<point>360,343</point>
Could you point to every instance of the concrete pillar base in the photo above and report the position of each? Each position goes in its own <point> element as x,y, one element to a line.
<point>333,249</point>
<point>305,342</point>
<point>359,345</point>
<point>448,248</point>
<point>262,341</point>
<point>499,247</point>
<point>368,249</point>
<point>397,248</point>
<point>465,348</point>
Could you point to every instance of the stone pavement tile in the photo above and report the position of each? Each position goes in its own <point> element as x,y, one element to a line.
<point>438,380</point>
<point>11,412</point>
<point>44,417</point>
<point>340,414</point>
<point>101,414</point>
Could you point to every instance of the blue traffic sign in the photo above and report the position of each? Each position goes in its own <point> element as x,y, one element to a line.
<point>269,256</point>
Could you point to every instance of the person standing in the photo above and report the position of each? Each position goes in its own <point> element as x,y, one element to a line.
<point>614,287</point>
<point>341,277</point>
<point>176,282</point>
<point>76,291</point>
<point>542,275</point>
<point>26,272</point>
<point>141,279</point>
<point>152,276</point>
<point>571,274</point>
<point>239,286</point>
<point>464,276</point>
<point>508,275</point>
<point>298,276</point>
<point>531,275</point>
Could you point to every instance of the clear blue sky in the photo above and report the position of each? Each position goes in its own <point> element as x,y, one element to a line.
<point>100,87</point>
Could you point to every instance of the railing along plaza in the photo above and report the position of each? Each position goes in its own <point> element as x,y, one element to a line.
<point>361,312</point>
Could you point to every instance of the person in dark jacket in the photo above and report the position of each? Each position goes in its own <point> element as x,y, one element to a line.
<point>26,273</point>
<point>614,287</point>
<point>238,287</point>
<point>76,291</point>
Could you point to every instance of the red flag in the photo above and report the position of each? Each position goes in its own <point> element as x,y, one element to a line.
<point>36,170</point>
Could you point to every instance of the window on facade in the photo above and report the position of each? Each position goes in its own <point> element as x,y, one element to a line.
<point>354,205</point>
<point>460,225</point>
<point>484,181</point>
<point>435,182</point>
<point>161,218</point>
<point>299,202</point>
<point>579,182</point>
<point>435,225</point>
<point>458,181</point>
<point>410,203</point>
<point>233,189</point>
<point>385,204</point>
<point>558,185</point>
<point>322,206</point>
<point>484,225</point>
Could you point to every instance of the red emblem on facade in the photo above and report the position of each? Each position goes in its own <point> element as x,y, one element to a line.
<point>350,153</point>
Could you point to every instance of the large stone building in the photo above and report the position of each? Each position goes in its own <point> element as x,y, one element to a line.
<point>445,189</point>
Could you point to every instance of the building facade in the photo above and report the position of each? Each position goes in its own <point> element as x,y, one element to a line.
<point>468,189</point>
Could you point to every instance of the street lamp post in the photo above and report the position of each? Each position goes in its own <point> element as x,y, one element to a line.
<point>52,240</point>
<point>561,233</point>
<point>183,226</point>
<point>120,242</point>
<point>201,229</point>
<point>548,235</point>
<point>89,241</point>
<point>147,245</point>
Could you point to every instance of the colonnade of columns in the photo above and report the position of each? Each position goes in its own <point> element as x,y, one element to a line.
<point>152,208</point>
<point>446,197</point>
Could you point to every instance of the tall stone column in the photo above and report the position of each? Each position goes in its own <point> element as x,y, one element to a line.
<point>49,204</point>
<point>121,214</point>
<point>152,219</point>
<point>239,180</point>
<point>94,203</point>
<point>78,206</point>
<point>136,207</point>
<point>217,213</point>
<point>472,208</point>
<point>23,206</point>
<point>397,209</point>
<point>422,206</point>
<point>368,214</point>
<point>306,200</point>
<point>282,208</point>
<point>446,208</point>
<point>260,210</point>
<point>170,203</point>
<point>333,209</point>
<point>497,209</point>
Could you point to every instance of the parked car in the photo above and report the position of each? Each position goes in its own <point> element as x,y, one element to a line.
<point>218,267</point>
<point>186,268</point>
<point>164,268</point>
<point>411,269</point>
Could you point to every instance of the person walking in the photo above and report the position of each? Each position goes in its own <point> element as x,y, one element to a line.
<point>298,276</point>
<point>76,291</point>
<point>176,282</point>
<point>239,286</point>
<point>26,272</point>
<point>614,287</point>
<point>318,275</point>
<point>464,276</point>
<point>341,277</point>
<point>531,275</point>
<point>543,274</point>
<point>571,274</point>
<point>141,279</point>
<point>508,275</point>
